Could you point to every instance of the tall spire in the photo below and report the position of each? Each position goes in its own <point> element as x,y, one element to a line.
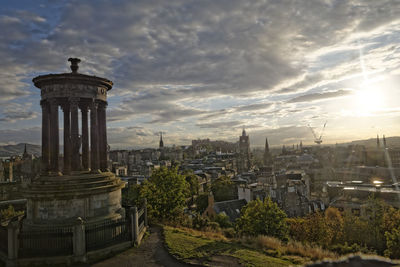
<point>25,152</point>
<point>161,141</point>
<point>267,155</point>
<point>378,145</point>
<point>384,141</point>
<point>244,132</point>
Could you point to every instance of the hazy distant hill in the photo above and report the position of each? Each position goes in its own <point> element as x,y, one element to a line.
<point>12,150</point>
<point>393,141</point>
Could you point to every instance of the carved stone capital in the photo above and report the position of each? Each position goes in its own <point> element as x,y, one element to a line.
<point>44,104</point>
<point>53,102</point>
<point>84,107</point>
<point>102,105</point>
<point>74,101</point>
<point>65,107</point>
<point>93,105</point>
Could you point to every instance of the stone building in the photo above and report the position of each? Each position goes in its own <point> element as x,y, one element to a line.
<point>244,153</point>
<point>267,155</point>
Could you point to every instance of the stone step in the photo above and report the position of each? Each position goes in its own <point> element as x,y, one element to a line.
<point>70,186</point>
<point>76,182</point>
<point>72,191</point>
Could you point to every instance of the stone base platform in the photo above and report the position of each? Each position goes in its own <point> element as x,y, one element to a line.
<point>58,201</point>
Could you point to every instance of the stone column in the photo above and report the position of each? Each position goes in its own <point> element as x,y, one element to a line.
<point>94,145</point>
<point>54,137</point>
<point>67,139</point>
<point>85,137</point>
<point>13,242</point>
<point>79,243</point>
<point>102,125</point>
<point>45,137</point>
<point>75,138</point>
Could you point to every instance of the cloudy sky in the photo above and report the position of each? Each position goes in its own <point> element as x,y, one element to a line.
<point>207,68</point>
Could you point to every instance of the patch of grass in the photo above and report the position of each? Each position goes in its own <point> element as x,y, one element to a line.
<point>185,246</point>
<point>268,243</point>
<point>252,258</point>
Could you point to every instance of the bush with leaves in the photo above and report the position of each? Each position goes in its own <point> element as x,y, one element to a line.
<point>201,203</point>
<point>199,222</point>
<point>222,220</point>
<point>262,218</point>
<point>223,189</point>
<point>9,213</point>
<point>393,243</point>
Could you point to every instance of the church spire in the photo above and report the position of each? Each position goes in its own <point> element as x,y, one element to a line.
<point>25,152</point>
<point>378,145</point>
<point>267,155</point>
<point>161,141</point>
<point>266,146</point>
<point>384,141</point>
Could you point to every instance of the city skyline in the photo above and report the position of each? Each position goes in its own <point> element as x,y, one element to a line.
<point>207,70</point>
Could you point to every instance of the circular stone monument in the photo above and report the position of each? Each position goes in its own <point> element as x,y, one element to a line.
<point>83,187</point>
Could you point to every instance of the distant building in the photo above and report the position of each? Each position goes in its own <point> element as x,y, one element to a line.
<point>267,154</point>
<point>161,145</point>
<point>230,208</point>
<point>244,153</point>
<point>353,196</point>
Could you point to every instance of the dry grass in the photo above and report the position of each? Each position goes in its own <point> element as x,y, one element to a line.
<point>312,252</point>
<point>209,233</point>
<point>268,243</point>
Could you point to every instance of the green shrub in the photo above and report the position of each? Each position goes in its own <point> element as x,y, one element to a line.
<point>229,232</point>
<point>222,220</point>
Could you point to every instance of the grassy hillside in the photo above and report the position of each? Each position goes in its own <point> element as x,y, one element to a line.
<point>210,248</point>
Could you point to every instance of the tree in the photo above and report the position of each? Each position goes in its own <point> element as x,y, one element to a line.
<point>334,223</point>
<point>131,196</point>
<point>393,243</point>
<point>223,189</point>
<point>354,229</point>
<point>376,209</point>
<point>193,182</point>
<point>222,220</point>
<point>166,192</point>
<point>262,218</point>
<point>201,203</point>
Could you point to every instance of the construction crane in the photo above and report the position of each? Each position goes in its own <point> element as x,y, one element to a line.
<point>317,140</point>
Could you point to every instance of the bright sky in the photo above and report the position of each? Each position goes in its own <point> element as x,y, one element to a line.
<point>205,69</point>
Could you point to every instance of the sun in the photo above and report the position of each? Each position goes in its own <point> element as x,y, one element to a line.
<point>368,99</point>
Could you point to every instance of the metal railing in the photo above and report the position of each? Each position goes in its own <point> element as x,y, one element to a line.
<point>54,242</point>
<point>4,239</point>
<point>106,234</point>
<point>76,240</point>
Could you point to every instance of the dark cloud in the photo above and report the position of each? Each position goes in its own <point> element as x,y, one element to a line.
<point>320,96</point>
<point>15,116</point>
<point>28,135</point>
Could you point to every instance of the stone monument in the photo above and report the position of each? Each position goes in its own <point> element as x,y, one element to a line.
<point>84,187</point>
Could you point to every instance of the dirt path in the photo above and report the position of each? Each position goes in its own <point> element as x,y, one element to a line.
<point>151,253</point>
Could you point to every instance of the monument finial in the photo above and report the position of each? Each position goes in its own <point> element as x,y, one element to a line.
<point>74,64</point>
